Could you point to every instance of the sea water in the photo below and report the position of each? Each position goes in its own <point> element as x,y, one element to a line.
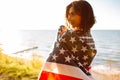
<point>107,44</point>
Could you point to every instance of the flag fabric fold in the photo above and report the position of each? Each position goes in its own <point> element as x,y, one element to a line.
<point>71,58</point>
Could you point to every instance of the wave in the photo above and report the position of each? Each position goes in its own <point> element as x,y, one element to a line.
<point>103,72</point>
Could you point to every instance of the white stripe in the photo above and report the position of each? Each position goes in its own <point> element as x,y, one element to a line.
<point>66,70</point>
<point>90,43</point>
<point>85,37</point>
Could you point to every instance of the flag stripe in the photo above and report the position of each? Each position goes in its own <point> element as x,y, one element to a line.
<point>65,70</point>
<point>53,76</point>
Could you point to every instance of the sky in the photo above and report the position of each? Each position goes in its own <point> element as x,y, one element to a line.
<point>50,14</point>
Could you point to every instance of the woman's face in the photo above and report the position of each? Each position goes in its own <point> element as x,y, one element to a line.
<point>73,18</point>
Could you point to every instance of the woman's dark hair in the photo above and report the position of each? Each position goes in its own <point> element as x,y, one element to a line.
<point>84,9</point>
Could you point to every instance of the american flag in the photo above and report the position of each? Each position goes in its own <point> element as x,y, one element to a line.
<point>71,57</point>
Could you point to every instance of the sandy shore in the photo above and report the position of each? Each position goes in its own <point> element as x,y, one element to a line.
<point>105,73</point>
<point>99,72</point>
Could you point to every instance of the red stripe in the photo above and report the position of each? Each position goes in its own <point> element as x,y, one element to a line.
<point>52,76</point>
<point>88,68</point>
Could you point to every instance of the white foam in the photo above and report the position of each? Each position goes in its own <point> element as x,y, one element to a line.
<point>102,72</point>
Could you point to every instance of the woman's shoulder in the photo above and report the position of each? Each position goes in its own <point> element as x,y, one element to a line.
<point>67,33</point>
<point>71,32</point>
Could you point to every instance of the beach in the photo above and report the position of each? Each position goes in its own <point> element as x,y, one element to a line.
<point>105,66</point>
<point>29,69</point>
<point>105,73</point>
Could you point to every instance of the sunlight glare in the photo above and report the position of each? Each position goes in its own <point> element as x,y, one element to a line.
<point>10,40</point>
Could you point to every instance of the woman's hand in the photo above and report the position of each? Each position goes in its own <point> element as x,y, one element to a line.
<point>62,29</point>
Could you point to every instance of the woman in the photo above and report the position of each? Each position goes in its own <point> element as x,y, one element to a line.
<point>74,49</point>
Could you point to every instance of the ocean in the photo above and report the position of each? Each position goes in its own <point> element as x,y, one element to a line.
<point>23,42</point>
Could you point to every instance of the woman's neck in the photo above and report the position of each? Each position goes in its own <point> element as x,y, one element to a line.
<point>77,28</point>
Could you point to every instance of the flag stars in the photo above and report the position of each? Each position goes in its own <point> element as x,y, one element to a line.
<point>54,57</point>
<point>85,57</point>
<point>62,51</point>
<point>74,49</point>
<point>67,59</point>
<point>63,40</point>
<point>77,58</point>
<point>72,39</point>
<point>81,40</point>
<point>73,57</point>
<point>79,64</point>
<point>84,48</point>
<point>57,44</point>
<point>85,63</point>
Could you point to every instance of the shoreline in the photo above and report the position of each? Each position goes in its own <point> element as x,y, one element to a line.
<point>102,72</point>
<point>99,72</point>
